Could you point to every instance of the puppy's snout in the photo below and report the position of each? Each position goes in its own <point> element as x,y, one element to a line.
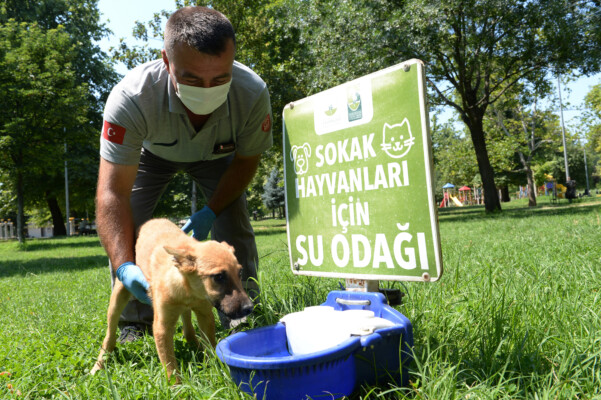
<point>236,305</point>
<point>247,309</point>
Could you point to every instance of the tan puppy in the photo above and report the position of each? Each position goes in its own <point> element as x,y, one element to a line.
<point>184,275</point>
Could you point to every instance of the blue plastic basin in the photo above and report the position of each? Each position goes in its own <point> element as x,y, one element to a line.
<point>261,364</point>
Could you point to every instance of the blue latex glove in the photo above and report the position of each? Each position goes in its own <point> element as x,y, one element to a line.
<point>200,223</point>
<point>133,279</point>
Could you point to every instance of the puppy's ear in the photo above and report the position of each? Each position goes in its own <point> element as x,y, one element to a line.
<point>228,246</point>
<point>182,258</point>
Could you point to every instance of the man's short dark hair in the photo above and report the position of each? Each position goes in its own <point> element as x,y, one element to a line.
<point>201,28</point>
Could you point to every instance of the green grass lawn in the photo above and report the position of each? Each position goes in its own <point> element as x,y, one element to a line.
<point>516,315</point>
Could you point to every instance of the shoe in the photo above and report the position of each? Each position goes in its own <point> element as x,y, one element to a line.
<point>131,333</point>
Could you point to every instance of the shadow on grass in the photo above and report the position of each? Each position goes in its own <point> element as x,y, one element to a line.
<point>60,242</point>
<point>270,232</point>
<point>478,213</point>
<point>51,265</point>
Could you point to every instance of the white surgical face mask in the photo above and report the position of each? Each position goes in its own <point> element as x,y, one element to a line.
<point>201,100</point>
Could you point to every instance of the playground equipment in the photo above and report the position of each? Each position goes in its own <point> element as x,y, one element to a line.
<point>456,201</point>
<point>466,194</point>
<point>449,197</point>
<point>464,197</point>
<point>557,190</point>
<point>446,194</point>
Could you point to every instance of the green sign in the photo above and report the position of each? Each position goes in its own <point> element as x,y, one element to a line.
<point>358,175</point>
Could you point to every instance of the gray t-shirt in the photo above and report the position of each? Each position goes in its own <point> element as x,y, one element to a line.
<point>143,110</point>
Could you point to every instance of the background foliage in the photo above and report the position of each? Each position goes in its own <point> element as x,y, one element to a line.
<point>58,79</point>
<point>484,58</point>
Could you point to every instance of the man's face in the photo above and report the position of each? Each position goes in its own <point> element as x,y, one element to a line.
<point>193,68</point>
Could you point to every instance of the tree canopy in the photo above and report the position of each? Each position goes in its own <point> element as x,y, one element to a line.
<point>41,100</point>
<point>476,50</point>
<point>489,60</point>
<point>273,192</point>
<point>57,78</point>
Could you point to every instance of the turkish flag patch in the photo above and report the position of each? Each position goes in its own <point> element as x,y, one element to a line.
<point>266,125</point>
<point>113,133</point>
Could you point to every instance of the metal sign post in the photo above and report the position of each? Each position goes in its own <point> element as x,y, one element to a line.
<point>358,175</point>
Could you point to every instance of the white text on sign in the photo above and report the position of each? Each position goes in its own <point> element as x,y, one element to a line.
<point>404,251</point>
<point>386,176</point>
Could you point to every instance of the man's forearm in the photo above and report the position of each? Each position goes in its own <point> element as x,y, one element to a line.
<point>114,218</point>
<point>233,182</point>
<point>115,228</point>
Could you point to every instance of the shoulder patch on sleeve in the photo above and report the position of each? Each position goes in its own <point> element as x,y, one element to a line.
<point>266,125</point>
<point>113,132</point>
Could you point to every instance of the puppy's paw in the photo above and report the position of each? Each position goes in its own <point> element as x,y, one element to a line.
<point>97,367</point>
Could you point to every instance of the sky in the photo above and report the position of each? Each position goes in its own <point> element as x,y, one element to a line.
<point>120,16</point>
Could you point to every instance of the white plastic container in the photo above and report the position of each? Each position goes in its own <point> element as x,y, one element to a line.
<point>312,330</point>
<point>321,327</point>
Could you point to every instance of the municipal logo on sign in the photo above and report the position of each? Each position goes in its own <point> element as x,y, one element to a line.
<point>113,132</point>
<point>342,108</point>
<point>354,108</point>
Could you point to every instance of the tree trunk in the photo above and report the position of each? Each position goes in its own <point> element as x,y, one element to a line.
<point>20,208</point>
<point>491,200</point>
<point>505,198</point>
<point>58,224</point>
<point>531,188</point>
<point>529,177</point>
